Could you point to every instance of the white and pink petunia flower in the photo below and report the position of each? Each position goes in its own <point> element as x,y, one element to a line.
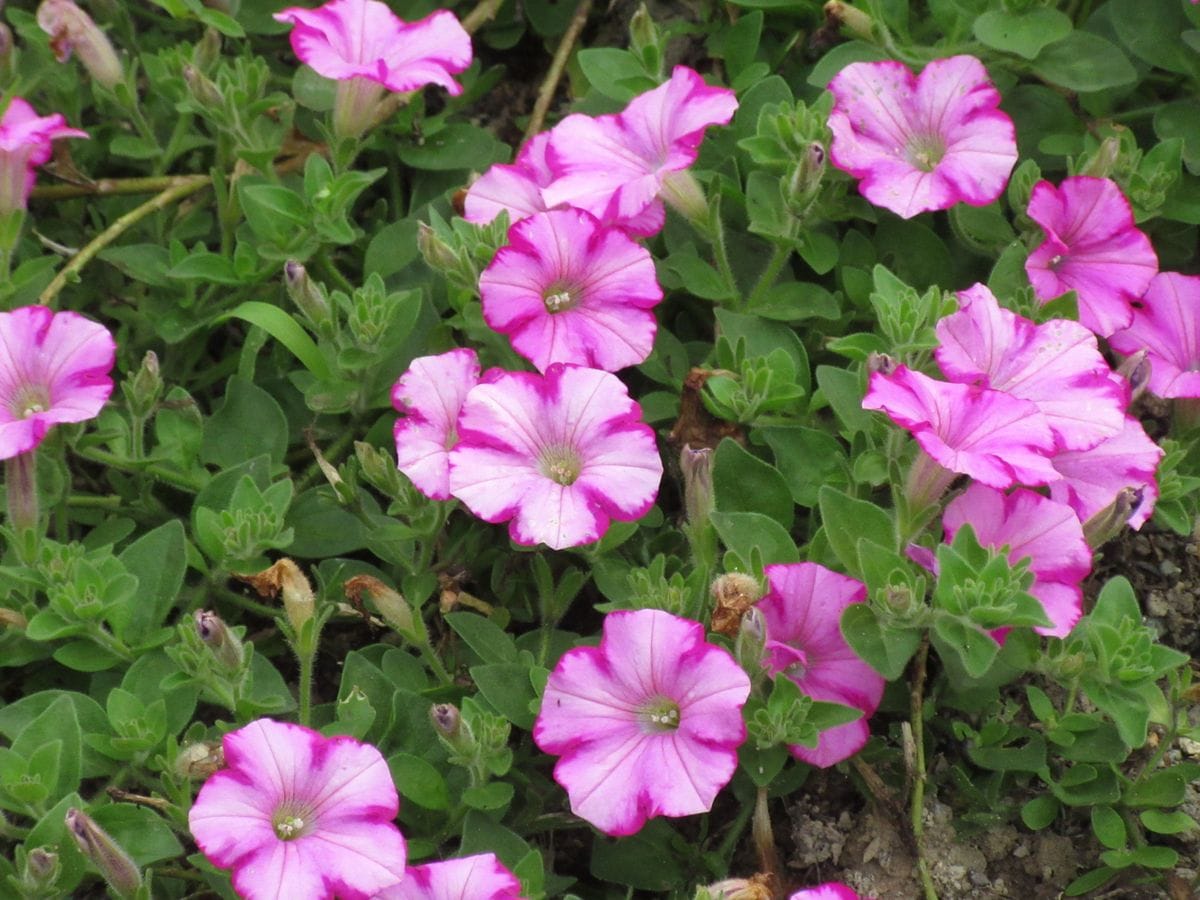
<point>560,455</point>
<point>1045,532</point>
<point>25,144</point>
<point>299,816</point>
<point>1166,324</point>
<point>481,877</point>
<point>615,166</point>
<point>1057,365</point>
<point>1091,479</point>
<point>1092,247</point>
<point>830,890</point>
<point>990,435</point>
<point>54,368</point>
<point>803,611</point>
<point>647,724</point>
<point>430,394</point>
<point>925,142</point>
<point>568,290</point>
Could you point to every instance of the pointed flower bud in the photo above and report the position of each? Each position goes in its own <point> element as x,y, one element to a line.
<point>750,644</point>
<point>393,607</point>
<point>41,872</point>
<point>306,293</point>
<point>208,49</point>
<point>452,730</point>
<point>285,578</point>
<point>144,389</point>
<point>806,177</point>
<point>1112,520</point>
<point>197,761</point>
<point>223,643</point>
<point>1136,370</point>
<point>1102,164</point>
<point>202,88</point>
<point>113,863</point>
<point>437,253</point>
<point>72,30</point>
<point>853,20</point>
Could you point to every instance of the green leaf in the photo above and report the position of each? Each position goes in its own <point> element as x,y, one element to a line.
<point>1165,788</point>
<point>1109,827</point>
<point>846,520</point>
<point>886,649</point>
<point>643,861</point>
<point>806,458</point>
<point>285,329</point>
<point>248,423</point>
<point>613,72</point>
<point>1167,822</point>
<point>485,637</point>
<point>141,833</point>
<point>482,834</point>
<point>506,686</point>
<point>1089,881</point>
<point>845,390</point>
<point>493,795</point>
<point>419,781</point>
<point>1153,38</point>
<point>84,656</point>
<point>744,533</point>
<point>1084,62</point>
<point>1040,812</point>
<point>158,559</point>
<point>1024,33</point>
<point>744,483</point>
<point>458,146</point>
<point>1153,857</point>
<point>57,723</point>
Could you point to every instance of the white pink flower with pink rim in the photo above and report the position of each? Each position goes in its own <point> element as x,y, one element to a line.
<point>1092,247</point>
<point>558,456</point>
<point>480,877</point>
<point>299,816</point>
<point>803,612</point>
<point>54,369</point>
<point>647,724</point>
<point>429,396</point>
<point>1089,480</point>
<point>26,143</point>
<point>568,290</point>
<point>830,890</point>
<point>921,143</point>
<point>1166,324</point>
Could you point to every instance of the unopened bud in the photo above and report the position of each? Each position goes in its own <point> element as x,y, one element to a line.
<point>196,762</point>
<point>898,598</point>
<point>307,294</point>
<point>749,647</point>
<point>72,30</point>
<point>806,177</point>
<point>393,607</point>
<point>144,389</point>
<point>733,594</point>
<point>453,730</point>
<point>202,88</point>
<point>881,363</point>
<point>437,253</point>
<point>285,579</point>
<point>1105,159</point>
<point>643,32</point>
<point>10,618</point>
<point>114,864</point>
<point>850,19</point>
<point>6,48</point>
<point>223,643</point>
<point>379,469</point>
<point>1136,370</point>
<point>208,49</point>
<point>698,502</point>
<point>41,871</point>
<point>1111,521</point>
<point>682,192</point>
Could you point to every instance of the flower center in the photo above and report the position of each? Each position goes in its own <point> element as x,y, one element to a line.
<point>561,465</point>
<point>659,715</point>
<point>925,152</point>
<point>560,298</point>
<point>29,401</point>
<point>290,823</point>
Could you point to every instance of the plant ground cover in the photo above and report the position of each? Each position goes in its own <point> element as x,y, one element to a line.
<point>530,449</point>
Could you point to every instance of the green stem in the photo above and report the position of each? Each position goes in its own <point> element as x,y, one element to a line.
<point>24,516</point>
<point>766,280</point>
<point>435,664</point>
<point>175,479</point>
<point>721,255</point>
<point>184,186</point>
<point>307,656</point>
<point>917,716</point>
<point>109,187</point>
<point>99,635</point>
<point>252,606</point>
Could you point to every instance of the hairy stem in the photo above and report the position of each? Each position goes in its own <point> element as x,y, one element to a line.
<point>917,805</point>
<point>562,53</point>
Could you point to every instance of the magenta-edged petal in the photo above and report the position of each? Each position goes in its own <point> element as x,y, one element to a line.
<point>834,745</point>
<point>22,129</point>
<point>830,890</point>
<point>556,515</point>
<point>1092,247</point>
<point>230,819</point>
<point>669,122</point>
<point>1166,324</point>
<point>990,435</point>
<point>1063,604</point>
<point>1091,479</point>
<point>479,877</point>
<point>1057,365</point>
<point>921,143</point>
<point>279,871</point>
<point>356,857</point>
<point>430,394</point>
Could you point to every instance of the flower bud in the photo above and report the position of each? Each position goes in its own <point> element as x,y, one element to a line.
<point>72,30</point>
<point>196,762</point>
<point>756,887</point>
<point>698,502</point>
<point>806,177</point>
<point>683,194</point>
<point>114,864</point>
<point>853,20</point>
<point>202,88</point>
<point>41,872</point>
<point>437,254</point>
<point>6,49</point>
<point>453,730</point>
<point>379,469</point>
<point>1136,370</point>
<point>749,647</point>
<point>144,389</point>
<point>306,293</point>
<point>881,362</point>
<point>10,618</point>
<point>393,607</point>
<point>1105,159</point>
<point>1111,521</point>
<point>733,594</point>
<point>285,578</point>
<point>223,643</point>
<point>643,33</point>
<point>208,49</point>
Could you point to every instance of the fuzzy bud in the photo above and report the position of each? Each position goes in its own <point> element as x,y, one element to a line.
<point>749,647</point>
<point>1111,521</point>
<point>6,49</point>
<point>306,293</point>
<point>393,607</point>
<point>437,254</point>
<point>1136,370</point>
<point>202,88</point>
<point>223,643</point>
<point>806,177</point>
<point>285,579</point>
<point>144,389</point>
<point>41,872</point>
<point>452,730</point>
<point>1104,160</point>
<point>208,49</point>
<point>196,762</point>
<point>106,855</point>
<point>379,469</point>
<point>850,19</point>
<point>72,30</point>
<point>698,500</point>
<point>683,194</point>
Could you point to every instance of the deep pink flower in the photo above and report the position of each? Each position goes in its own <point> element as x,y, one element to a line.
<point>1091,479</point>
<point>803,611</point>
<point>1166,324</point>
<point>1092,247</point>
<point>568,290</point>
<point>647,724</point>
<point>560,455</point>
<point>25,144</point>
<point>297,815</point>
<point>1033,527</point>
<point>614,166</point>
<point>1057,365</point>
<point>364,39</point>
<point>830,890</point>
<point>480,877</point>
<point>54,368</point>
<point>990,435</point>
<point>921,143</point>
<point>430,394</point>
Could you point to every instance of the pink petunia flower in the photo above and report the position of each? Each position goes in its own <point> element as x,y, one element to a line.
<point>1166,324</point>
<point>803,611</point>
<point>990,435</point>
<point>1057,365</point>
<point>54,368</point>
<point>1033,527</point>
<point>1092,247</point>
<point>568,290</point>
<point>480,877</point>
<point>430,394</point>
<point>921,143</point>
<point>830,890</point>
<point>560,455</point>
<point>1089,480</point>
<point>297,815</point>
<point>25,144</point>
<point>364,46</point>
<point>615,166</point>
<point>647,724</point>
